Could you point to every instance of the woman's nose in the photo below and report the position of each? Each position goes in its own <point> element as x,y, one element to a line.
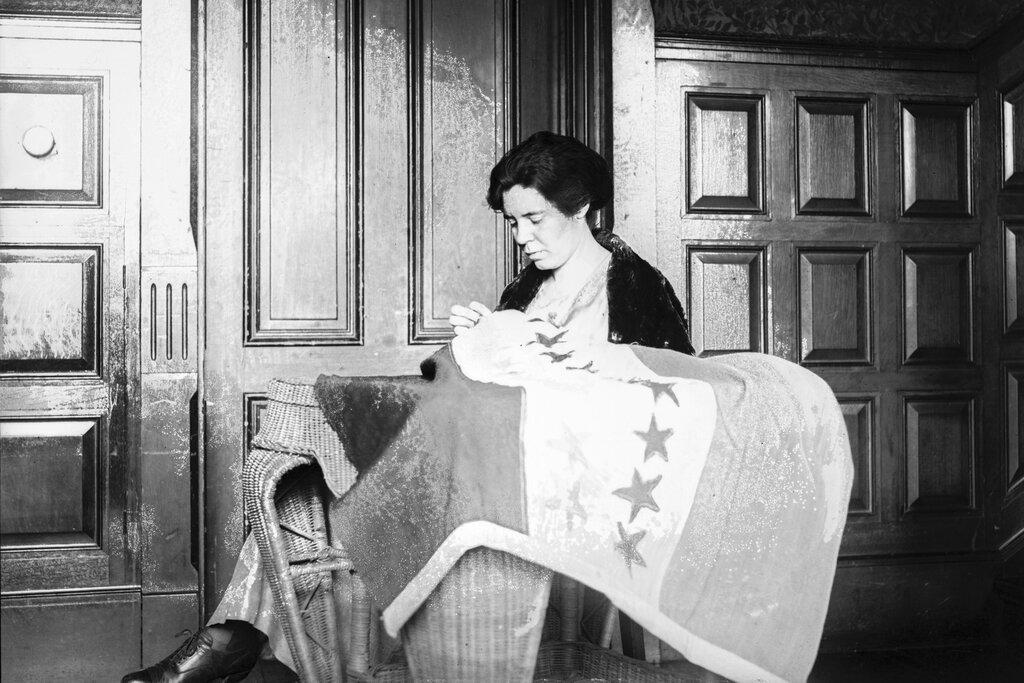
<point>523,234</point>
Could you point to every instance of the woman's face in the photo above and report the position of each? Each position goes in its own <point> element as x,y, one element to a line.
<point>547,236</point>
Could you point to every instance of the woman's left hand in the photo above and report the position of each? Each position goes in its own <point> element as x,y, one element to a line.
<point>465,317</point>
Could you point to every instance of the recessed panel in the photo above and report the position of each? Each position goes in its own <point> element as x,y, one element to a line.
<point>726,300</point>
<point>1013,276</point>
<point>254,406</point>
<point>832,156</point>
<point>1013,137</point>
<point>461,250</point>
<point>48,478</point>
<point>937,316</point>
<point>835,310</point>
<point>1014,425</point>
<point>940,453</point>
<point>725,153</point>
<point>302,235</point>
<point>936,158</point>
<point>50,310</point>
<point>858,412</point>
<point>50,141</point>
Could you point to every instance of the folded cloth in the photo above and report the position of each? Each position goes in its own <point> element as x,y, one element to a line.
<point>705,498</point>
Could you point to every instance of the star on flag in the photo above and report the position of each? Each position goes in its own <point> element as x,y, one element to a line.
<point>638,494</point>
<point>658,388</point>
<point>626,545</point>
<point>655,439</point>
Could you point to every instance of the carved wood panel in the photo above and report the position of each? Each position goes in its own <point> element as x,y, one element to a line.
<point>935,148</point>
<point>938,306</point>
<point>49,480</point>
<point>725,154</point>
<point>726,299</point>
<point>459,249</point>
<point>859,414</point>
<point>1014,402</point>
<point>832,156</point>
<point>1013,277</point>
<point>51,140</point>
<point>1012,144</point>
<point>835,306</point>
<point>51,310</point>
<point>302,224</point>
<point>940,453</point>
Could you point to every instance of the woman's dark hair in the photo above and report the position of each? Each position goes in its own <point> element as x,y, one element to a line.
<point>564,170</point>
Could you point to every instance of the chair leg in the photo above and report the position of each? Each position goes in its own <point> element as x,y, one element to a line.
<point>359,648</point>
<point>285,593</point>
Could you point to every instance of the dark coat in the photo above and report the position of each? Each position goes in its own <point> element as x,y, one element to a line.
<point>642,308</point>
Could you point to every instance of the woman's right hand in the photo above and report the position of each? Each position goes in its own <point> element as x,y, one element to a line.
<point>465,317</point>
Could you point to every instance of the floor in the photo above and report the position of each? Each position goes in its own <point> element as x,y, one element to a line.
<point>978,664</point>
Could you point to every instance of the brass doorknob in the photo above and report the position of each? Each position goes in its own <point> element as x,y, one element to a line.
<point>38,141</point>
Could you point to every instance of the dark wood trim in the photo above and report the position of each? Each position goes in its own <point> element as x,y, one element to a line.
<point>114,9</point>
<point>812,54</point>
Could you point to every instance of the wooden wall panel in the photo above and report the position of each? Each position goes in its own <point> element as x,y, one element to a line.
<point>859,413</point>
<point>50,141</point>
<point>1014,405</point>
<point>938,306</point>
<point>1012,144</point>
<point>50,310</point>
<point>1013,277</point>
<point>302,227</point>
<point>89,635</point>
<point>726,299</point>
<point>459,129</point>
<point>940,453</point>
<point>935,150</point>
<point>832,156</point>
<point>725,155</point>
<point>49,479</point>
<point>835,306</point>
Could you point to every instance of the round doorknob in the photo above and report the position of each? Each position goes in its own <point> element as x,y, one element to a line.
<point>38,141</point>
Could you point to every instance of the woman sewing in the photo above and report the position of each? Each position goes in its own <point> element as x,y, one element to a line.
<point>580,278</point>
<point>550,189</point>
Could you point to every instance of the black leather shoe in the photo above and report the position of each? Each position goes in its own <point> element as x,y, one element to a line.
<point>223,652</point>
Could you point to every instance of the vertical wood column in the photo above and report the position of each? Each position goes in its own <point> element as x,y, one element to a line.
<point>168,531</point>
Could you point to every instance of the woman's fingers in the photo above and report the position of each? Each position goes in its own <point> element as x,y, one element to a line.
<point>479,308</point>
<point>467,313</point>
<point>461,321</point>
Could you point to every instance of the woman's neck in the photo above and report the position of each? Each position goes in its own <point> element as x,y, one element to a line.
<point>571,275</point>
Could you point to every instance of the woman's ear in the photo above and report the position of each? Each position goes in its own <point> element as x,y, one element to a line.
<point>581,215</point>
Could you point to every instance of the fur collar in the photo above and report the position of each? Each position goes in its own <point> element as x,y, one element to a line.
<point>642,308</point>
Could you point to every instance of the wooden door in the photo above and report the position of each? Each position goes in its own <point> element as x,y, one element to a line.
<point>347,151</point>
<point>69,211</point>
<point>833,211</point>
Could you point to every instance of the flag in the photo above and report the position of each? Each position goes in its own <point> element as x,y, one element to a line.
<point>705,498</point>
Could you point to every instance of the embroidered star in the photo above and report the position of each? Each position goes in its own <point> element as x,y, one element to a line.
<point>569,445</point>
<point>589,367</point>
<point>655,441</point>
<point>639,494</point>
<point>575,508</point>
<point>626,545</point>
<point>546,341</point>
<point>557,357</point>
<point>658,388</point>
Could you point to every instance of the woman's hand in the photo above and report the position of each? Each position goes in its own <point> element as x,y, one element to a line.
<point>465,317</point>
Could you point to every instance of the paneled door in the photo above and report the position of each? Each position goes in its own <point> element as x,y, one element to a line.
<point>831,211</point>
<point>69,205</point>
<point>347,147</point>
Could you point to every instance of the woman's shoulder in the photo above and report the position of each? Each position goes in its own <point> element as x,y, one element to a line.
<point>626,263</point>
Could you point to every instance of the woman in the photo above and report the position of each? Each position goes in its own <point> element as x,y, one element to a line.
<point>549,188</point>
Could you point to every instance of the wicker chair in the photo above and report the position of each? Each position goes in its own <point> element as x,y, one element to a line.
<point>471,626</point>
